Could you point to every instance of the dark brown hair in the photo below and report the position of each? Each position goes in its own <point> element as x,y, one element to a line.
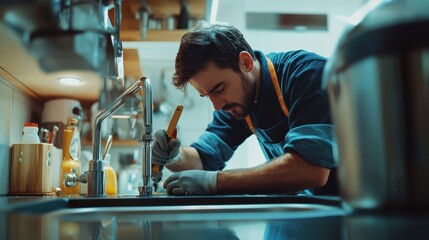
<point>219,43</point>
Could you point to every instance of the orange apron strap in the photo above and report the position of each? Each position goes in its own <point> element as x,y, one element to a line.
<point>277,87</point>
<point>250,124</point>
<point>278,93</point>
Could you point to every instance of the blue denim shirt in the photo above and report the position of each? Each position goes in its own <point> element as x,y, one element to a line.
<point>307,130</point>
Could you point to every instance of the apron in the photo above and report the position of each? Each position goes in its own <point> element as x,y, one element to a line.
<point>272,148</point>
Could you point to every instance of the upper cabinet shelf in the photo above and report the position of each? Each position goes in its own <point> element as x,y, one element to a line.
<point>163,18</point>
<point>153,35</point>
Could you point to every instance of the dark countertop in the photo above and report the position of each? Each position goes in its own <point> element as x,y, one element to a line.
<point>211,217</point>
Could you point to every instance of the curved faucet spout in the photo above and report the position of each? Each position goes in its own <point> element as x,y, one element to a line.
<point>95,175</point>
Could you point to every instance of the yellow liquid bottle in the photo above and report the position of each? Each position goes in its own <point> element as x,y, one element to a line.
<point>111,180</point>
<point>69,165</point>
<point>75,145</point>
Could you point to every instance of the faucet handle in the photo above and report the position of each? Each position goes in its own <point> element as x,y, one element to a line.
<point>70,180</point>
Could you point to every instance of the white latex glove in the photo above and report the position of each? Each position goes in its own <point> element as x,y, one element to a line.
<point>192,182</point>
<point>162,151</point>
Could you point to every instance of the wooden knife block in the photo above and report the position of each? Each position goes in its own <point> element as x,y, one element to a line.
<point>31,169</point>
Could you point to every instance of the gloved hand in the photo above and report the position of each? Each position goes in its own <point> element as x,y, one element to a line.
<point>192,182</point>
<point>164,152</point>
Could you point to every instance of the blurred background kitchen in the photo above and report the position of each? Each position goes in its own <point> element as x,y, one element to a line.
<point>38,91</point>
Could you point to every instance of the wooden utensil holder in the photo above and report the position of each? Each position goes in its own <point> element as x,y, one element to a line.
<point>31,169</point>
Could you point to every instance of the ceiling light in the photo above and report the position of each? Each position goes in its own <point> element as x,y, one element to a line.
<point>70,81</point>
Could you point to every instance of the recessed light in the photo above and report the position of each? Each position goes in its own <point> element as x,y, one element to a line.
<point>71,81</point>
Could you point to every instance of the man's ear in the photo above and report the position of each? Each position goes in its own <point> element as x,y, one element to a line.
<point>245,61</point>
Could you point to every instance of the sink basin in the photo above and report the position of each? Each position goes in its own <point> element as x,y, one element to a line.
<point>196,213</point>
<point>166,217</point>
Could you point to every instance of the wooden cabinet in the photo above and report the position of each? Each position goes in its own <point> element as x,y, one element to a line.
<point>159,11</point>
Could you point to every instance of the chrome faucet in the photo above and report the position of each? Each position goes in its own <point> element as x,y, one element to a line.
<point>95,176</point>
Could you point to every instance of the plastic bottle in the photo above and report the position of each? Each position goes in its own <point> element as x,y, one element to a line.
<point>29,135</point>
<point>69,165</point>
<point>111,180</point>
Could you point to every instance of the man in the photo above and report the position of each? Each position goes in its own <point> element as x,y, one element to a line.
<point>278,97</point>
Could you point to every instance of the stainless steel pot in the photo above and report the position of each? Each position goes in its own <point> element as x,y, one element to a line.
<point>378,85</point>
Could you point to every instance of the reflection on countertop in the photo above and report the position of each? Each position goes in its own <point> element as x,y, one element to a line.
<point>234,217</point>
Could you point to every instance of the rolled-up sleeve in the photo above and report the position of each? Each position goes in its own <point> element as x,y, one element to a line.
<point>313,142</point>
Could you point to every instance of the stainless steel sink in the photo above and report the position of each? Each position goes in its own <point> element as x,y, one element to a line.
<point>290,218</point>
<point>162,217</point>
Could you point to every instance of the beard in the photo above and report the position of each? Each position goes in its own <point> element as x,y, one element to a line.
<point>241,110</point>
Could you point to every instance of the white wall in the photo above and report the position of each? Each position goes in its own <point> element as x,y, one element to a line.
<point>16,109</point>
